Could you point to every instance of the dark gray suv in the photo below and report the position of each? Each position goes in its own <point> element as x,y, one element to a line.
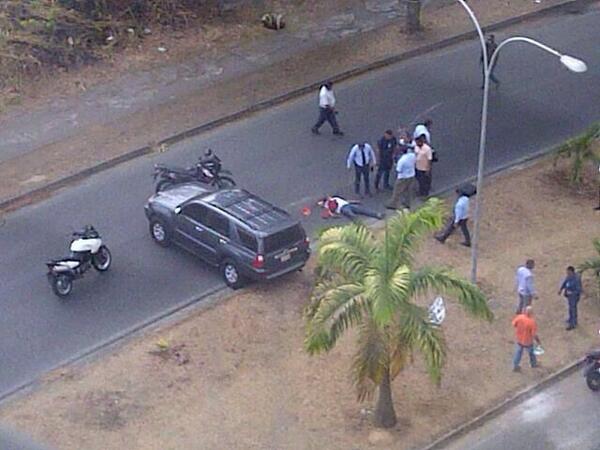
<point>243,235</point>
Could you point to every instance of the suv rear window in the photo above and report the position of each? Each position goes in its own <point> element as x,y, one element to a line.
<point>248,240</point>
<point>283,238</point>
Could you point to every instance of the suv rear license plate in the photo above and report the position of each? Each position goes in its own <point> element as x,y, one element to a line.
<point>286,254</point>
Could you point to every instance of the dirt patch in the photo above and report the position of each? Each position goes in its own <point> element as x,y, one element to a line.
<point>247,383</point>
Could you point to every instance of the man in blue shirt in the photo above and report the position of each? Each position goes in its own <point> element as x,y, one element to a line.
<point>459,218</point>
<point>571,289</point>
<point>362,157</point>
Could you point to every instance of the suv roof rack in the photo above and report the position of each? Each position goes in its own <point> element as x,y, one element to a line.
<point>250,209</point>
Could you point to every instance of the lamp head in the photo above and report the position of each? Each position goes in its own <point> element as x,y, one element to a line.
<point>573,64</point>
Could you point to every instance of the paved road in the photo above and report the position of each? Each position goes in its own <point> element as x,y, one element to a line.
<point>275,155</point>
<point>563,417</point>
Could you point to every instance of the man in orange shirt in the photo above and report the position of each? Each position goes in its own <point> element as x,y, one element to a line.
<point>526,333</point>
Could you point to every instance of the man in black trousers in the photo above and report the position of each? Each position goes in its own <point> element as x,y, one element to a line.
<point>327,109</point>
<point>386,147</point>
<point>362,157</point>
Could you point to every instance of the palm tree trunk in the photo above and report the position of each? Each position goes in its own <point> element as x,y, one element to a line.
<point>385,415</point>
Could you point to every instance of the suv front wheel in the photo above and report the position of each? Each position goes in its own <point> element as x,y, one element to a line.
<point>231,274</point>
<point>160,232</point>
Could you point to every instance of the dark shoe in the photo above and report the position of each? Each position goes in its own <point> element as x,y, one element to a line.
<point>597,208</point>
<point>570,327</point>
<point>338,133</point>
<point>388,206</point>
<point>439,239</point>
<point>466,244</point>
<point>314,130</point>
<point>516,369</point>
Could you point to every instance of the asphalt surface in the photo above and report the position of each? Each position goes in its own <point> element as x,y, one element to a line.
<point>562,417</point>
<point>274,155</point>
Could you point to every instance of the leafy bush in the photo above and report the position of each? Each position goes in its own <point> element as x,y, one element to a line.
<point>581,151</point>
<point>38,34</point>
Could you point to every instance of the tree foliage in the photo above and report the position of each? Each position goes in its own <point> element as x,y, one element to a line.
<point>581,150</point>
<point>372,284</point>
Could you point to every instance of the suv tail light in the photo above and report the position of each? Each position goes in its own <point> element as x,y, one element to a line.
<point>258,262</point>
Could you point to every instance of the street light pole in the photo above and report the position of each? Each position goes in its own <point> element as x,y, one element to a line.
<point>573,64</point>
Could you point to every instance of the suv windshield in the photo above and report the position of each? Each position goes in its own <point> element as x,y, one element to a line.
<point>283,238</point>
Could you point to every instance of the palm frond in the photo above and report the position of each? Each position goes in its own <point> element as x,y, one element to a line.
<point>405,231</point>
<point>370,360</point>
<point>386,292</point>
<point>591,264</point>
<point>347,251</point>
<point>414,331</point>
<point>579,149</point>
<point>338,308</point>
<point>443,281</point>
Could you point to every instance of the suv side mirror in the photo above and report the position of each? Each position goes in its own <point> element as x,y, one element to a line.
<point>177,209</point>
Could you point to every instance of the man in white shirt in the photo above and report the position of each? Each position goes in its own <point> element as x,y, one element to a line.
<point>327,109</point>
<point>405,177</point>
<point>335,206</point>
<point>362,157</point>
<point>459,218</point>
<point>524,282</point>
<point>423,129</point>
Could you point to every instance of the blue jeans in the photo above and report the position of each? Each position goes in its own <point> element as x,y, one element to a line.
<point>519,352</point>
<point>352,210</point>
<point>573,300</point>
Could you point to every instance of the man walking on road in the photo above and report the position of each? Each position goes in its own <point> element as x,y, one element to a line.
<point>524,281</point>
<point>571,289</point>
<point>424,157</point>
<point>405,176</point>
<point>490,48</point>
<point>386,147</point>
<point>526,333</point>
<point>327,109</point>
<point>362,157</point>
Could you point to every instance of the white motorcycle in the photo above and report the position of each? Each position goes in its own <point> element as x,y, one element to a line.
<point>87,250</point>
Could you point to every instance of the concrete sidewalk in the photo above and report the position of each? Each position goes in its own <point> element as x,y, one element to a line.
<point>129,116</point>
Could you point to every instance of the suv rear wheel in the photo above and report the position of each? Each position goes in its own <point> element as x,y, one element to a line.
<point>231,274</point>
<point>160,232</point>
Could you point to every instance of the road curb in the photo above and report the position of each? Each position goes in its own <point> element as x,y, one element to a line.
<point>43,191</point>
<point>506,404</point>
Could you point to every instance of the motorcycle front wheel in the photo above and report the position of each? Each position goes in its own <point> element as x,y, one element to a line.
<point>593,380</point>
<point>225,183</point>
<point>62,284</point>
<point>102,259</point>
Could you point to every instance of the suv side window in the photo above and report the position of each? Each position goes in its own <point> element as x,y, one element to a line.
<point>216,222</point>
<point>195,212</point>
<point>247,240</point>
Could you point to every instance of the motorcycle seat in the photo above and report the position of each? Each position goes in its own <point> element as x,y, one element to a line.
<point>67,263</point>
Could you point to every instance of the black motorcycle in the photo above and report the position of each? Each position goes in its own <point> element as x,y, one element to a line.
<point>207,170</point>
<point>87,250</point>
<point>591,370</point>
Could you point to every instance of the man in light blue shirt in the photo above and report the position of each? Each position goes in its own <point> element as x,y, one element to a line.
<point>405,177</point>
<point>362,157</point>
<point>459,218</point>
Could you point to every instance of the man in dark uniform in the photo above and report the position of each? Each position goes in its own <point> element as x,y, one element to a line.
<point>386,147</point>
<point>490,48</point>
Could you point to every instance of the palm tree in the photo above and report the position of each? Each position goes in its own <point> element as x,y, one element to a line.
<point>580,149</point>
<point>371,284</point>
<point>593,264</point>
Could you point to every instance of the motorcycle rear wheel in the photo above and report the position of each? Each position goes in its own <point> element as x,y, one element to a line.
<point>102,260</point>
<point>593,380</point>
<point>162,185</point>
<point>225,183</point>
<point>62,285</point>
